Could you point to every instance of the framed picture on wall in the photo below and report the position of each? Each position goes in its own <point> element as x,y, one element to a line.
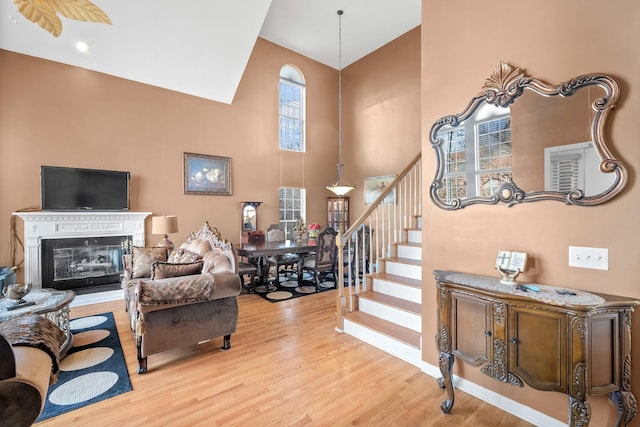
<point>375,186</point>
<point>204,174</point>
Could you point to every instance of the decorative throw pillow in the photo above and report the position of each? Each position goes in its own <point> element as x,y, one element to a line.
<point>143,257</point>
<point>183,256</point>
<point>163,270</point>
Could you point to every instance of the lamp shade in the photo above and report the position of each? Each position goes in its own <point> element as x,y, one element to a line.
<point>166,224</point>
<point>340,189</point>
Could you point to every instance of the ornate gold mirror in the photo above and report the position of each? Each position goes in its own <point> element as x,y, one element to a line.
<point>550,142</point>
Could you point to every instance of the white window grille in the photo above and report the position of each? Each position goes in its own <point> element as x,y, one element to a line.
<point>454,147</point>
<point>293,205</point>
<point>565,167</point>
<point>477,156</point>
<point>493,164</point>
<point>292,103</point>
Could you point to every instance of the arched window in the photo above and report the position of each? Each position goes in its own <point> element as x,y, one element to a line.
<point>292,109</point>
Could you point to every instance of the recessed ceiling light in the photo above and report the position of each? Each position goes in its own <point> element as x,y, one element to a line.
<point>82,46</point>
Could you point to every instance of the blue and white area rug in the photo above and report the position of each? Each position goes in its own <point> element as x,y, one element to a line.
<point>93,370</point>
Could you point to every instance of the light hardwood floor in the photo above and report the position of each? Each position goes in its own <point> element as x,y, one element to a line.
<point>287,367</point>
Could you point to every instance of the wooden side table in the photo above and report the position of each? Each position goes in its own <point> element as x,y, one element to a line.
<point>50,303</point>
<point>552,339</point>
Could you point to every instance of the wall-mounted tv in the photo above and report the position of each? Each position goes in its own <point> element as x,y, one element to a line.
<point>84,189</point>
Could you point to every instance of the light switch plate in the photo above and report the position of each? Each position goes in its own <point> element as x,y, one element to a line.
<point>584,257</point>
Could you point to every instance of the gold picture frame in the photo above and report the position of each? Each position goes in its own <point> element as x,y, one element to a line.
<point>205,174</point>
<point>375,185</point>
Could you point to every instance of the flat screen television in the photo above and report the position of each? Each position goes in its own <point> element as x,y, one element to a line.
<point>66,189</point>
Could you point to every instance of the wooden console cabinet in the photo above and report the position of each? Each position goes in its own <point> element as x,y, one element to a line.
<point>557,339</point>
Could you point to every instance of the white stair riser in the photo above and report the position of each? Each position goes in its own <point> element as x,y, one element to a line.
<point>404,270</point>
<point>414,236</point>
<point>396,348</point>
<point>390,314</point>
<point>410,252</point>
<point>398,290</point>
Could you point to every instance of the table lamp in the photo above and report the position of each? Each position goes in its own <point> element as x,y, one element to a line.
<point>165,224</point>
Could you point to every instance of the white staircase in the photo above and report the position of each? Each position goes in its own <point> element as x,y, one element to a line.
<point>388,314</point>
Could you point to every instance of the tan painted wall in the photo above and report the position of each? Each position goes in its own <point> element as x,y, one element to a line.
<point>462,42</point>
<point>381,113</point>
<point>61,115</point>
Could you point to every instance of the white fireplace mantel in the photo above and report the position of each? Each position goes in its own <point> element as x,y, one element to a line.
<point>43,225</point>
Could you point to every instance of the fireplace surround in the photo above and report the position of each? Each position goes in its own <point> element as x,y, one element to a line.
<point>46,225</point>
<point>82,262</point>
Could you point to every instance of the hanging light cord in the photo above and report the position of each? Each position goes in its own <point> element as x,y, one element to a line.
<point>340,12</point>
<point>340,188</point>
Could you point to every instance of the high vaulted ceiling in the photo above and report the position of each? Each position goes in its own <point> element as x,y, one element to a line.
<point>198,47</point>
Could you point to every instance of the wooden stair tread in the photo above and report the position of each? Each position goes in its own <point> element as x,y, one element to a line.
<point>398,279</point>
<point>400,303</point>
<point>408,261</point>
<point>392,330</point>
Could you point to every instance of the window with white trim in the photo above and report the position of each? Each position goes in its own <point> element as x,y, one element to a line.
<point>293,204</point>
<point>455,175</point>
<point>292,102</point>
<point>477,154</point>
<point>494,155</point>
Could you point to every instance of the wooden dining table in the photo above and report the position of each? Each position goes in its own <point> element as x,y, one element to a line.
<point>258,253</point>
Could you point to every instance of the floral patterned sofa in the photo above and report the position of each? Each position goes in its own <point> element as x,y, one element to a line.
<point>182,298</point>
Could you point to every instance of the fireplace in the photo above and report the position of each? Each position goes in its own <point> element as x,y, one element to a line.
<point>66,236</point>
<point>82,262</point>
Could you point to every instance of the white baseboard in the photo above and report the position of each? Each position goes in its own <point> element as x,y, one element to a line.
<point>97,297</point>
<point>505,404</point>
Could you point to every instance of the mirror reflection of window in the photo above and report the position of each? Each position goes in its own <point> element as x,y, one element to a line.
<point>575,167</point>
<point>249,218</point>
<point>455,180</point>
<point>477,154</point>
<point>494,154</point>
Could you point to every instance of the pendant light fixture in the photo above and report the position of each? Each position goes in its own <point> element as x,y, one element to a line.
<point>340,188</point>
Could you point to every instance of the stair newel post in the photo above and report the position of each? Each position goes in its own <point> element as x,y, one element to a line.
<point>341,302</point>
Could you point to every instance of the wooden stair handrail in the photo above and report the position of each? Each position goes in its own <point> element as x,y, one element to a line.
<point>342,304</point>
<point>354,226</point>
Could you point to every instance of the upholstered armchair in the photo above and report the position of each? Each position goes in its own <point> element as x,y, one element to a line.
<point>184,298</point>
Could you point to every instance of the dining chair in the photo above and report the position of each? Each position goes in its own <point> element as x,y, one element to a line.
<point>275,233</point>
<point>324,261</point>
<point>248,269</point>
<point>357,252</point>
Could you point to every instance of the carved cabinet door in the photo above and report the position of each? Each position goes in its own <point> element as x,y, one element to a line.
<point>537,347</point>
<point>473,328</point>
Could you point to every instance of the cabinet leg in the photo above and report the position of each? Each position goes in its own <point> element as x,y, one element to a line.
<point>627,407</point>
<point>579,412</point>
<point>446,382</point>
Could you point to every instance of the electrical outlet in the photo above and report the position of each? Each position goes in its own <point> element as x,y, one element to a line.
<point>582,257</point>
